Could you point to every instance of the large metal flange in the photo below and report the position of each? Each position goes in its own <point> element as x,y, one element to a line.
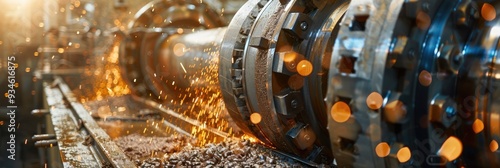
<point>152,25</point>
<point>230,66</point>
<point>259,75</point>
<point>388,78</point>
<point>478,90</point>
<point>356,71</point>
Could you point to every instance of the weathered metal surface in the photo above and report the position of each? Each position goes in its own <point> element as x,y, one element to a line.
<point>70,142</point>
<point>73,152</point>
<point>71,139</point>
<point>103,142</point>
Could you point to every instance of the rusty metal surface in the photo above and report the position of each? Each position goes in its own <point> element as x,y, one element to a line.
<point>69,137</point>
<point>74,125</point>
<point>70,142</point>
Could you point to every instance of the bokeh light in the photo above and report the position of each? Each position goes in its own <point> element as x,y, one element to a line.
<point>340,112</point>
<point>374,101</point>
<point>382,149</point>
<point>451,148</point>
<point>404,154</point>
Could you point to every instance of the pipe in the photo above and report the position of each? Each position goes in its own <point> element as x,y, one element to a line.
<point>190,60</point>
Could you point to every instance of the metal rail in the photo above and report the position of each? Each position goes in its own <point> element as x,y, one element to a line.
<point>83,142</point>
<point>80,139</point>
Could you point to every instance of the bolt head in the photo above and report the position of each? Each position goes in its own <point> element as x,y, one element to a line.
<point>450,111</point>
<point>294,103</point>
<point>304,26</point>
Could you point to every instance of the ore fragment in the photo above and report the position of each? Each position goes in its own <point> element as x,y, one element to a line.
<point>88,141</point>
<point>178,151</point>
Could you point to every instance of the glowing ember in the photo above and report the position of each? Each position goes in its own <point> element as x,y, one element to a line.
<point>488,12</point>
<point>304,68</point>
<point>451,148</point>
<point>425,78</point>
<point>404,154</point>
<point>340,112</point>
<point>255,118</point>
<point>478,126</point>
<point>374,101</point>
<point>493,146</point>
<point>383,149</point>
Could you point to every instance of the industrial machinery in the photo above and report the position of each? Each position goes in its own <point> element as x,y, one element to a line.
<point>361,83</point>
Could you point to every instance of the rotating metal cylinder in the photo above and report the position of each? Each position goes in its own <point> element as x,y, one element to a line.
<point>275,89</point>
<point>352,83</point>
<point>189,60</point>
<point>155,23</point>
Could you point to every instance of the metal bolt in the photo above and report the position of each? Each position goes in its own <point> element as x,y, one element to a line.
<point>411,54</point>
<point>450,112</point>
<point>43,137</point>
<point>426,7</point>
<point>294,103</point>
<point>304,26</point>
<point>307,137</point>
<point>40,112</point>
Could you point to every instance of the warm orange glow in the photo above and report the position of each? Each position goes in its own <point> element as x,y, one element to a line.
<point>404,154</point>
<point>18,2</point>
<point>304,68</point>
<point>255,118</point>
<point>374,101</point>
<point>290,56</point>
<point>296,82</point>
<point>425,78</point>
<point>478,126</point>
<point>60,50</point>
<point>488,12</point>
<point>493,146</point>
<point>106,79</point>
<point>423,20</point>
<point>250,138</point>
<point>451,148</point>
<point>179,49</point>
<point>180,30</point>
<point>494,122</point>
<point>383,149</point>
<point>395,111</point>
<point>340,112</point>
